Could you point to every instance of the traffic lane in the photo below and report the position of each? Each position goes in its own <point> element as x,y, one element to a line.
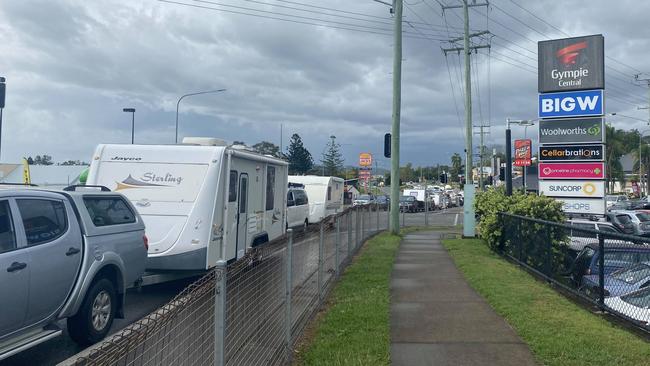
<point>138,304</point>
<point>448,217</point>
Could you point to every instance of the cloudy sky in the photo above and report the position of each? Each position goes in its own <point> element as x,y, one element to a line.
<point>317,67</point>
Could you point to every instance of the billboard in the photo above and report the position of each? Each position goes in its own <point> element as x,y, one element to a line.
<point>572,153</point>
<point>571,64</point>
<point>584,206</point>
<point>571,131</point>
<point>522,152</point>
<point>572,188</point>
<point>572,170</point>
<point>571,104</point>
<point>365,159</point>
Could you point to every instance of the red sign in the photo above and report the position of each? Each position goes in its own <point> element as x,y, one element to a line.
<point>522,152</point>
<point>572,170</point>
<point>365,159</point>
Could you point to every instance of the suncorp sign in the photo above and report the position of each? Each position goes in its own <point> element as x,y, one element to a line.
<point>572,188</point>
<point>571,104</point>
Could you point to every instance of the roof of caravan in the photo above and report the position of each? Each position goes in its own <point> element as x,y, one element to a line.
<point>312,179</point>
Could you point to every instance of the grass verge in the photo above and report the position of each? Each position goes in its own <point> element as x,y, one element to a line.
<point>355,328</point>
<point>558,331</point>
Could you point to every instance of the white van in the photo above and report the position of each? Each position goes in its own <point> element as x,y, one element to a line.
<point>325,195</point>
<point>200,201</point>
<point>297,206</point>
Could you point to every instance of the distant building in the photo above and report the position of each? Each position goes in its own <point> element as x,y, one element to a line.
<point>50,176</point>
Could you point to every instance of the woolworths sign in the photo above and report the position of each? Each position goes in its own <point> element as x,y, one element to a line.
<point>573,130</point>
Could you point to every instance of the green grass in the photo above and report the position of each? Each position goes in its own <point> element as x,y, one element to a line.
<point>558,331</point>
<point>355,329</point>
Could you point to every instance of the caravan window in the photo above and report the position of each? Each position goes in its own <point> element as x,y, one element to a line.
<point>232,191</point>
<point>270,187</point>
<point>329,193</point>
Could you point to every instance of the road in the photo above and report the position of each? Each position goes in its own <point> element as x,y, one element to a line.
<point>138,304</point>
<point>141,303</point>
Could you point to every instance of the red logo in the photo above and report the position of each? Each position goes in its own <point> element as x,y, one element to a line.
<point>569,54</point>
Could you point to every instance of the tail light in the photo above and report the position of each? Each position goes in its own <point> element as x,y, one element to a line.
<point>588,271</point>
<point>145,241</point>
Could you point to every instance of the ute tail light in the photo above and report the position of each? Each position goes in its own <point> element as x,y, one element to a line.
<point>588,272</point>
<point>145,241</point>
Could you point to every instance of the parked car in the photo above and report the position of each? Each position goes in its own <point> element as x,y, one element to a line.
<point>617,256</point>
<point>614,198</point>
<point>363,199</point>
<point>65,255</point>
<point>639,220</point>
<point>621,222</point>
<point>620,282</point>
<point>635,305</point>
<point>579,239</point>
<point>382,202</point>
<point>297,206</point>
<point>410,204</point>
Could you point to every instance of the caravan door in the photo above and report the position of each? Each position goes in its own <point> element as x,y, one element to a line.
<point>242,215</point>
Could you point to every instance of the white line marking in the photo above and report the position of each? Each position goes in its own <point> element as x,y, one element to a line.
<point>456,220</point>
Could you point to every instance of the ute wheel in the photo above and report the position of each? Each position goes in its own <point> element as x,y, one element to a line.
<point>95,316</point>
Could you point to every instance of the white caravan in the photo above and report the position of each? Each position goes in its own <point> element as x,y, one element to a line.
<point>325,195</point>
<point>201,201</point>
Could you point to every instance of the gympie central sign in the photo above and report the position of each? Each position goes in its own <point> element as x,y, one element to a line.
<point>571,64</point>
<point>574,130</point>
<point>571,152</point>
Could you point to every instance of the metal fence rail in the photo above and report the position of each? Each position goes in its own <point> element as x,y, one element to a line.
<point>590,260</point>
<point>251,312</point>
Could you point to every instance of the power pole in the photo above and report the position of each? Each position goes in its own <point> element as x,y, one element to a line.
<point>641,185</point>
<point>481,152</point>
<point>397,9</point>
<point>469,221</point>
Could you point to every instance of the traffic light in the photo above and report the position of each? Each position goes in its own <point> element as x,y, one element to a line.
<point>387,145</point>
<point>502,174</point>
<point>443,178</point>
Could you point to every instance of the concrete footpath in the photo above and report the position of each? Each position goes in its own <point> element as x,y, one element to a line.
<point>436,318</point>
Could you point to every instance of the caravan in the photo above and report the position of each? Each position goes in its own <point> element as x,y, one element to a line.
<point>325,195</point>
<point>201,201</point>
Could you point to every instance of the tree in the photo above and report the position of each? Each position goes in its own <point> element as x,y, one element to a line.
<point>238,143</point>
<point>300,159</point>
<point>73,162</point>
<point>456,167</point>
<point>332,159</point>
<point>267,148</point>
<point>42,160</point>
<point>30,161</point>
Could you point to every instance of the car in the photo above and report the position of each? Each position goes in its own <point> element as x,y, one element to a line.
<point>363,199</point>
<point>383,202</point>
<point>617,256</point>
<point>635,305</point>
<point>614,198</point>
<point>410,204</point>
<point>620,221</point>
<point>65,255</point>
<point>579,238</point>
<point>620,282</point>
<point>639,220</point>
<point>297,206</point>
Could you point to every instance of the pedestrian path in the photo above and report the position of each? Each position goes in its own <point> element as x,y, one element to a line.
<point>436,318</point>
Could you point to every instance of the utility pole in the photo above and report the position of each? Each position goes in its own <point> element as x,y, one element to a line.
<point>397,9</point>
<point>481,152</point>
<point>641,187</point>
<point>469,221</point>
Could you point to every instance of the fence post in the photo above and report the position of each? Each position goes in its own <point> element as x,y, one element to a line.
<point>320,263</point>
<point>601,271</point>
<point>356,233</point>
<point>377,206</point>
<point>338,245</point>
<point>349,219</point>
<point>404,218</point>
<point>504,224</point>
<point>288,297</point>
<point>220,313</point>
<point>426,210</point>
<point>549,251</point>
<point>520,244</point>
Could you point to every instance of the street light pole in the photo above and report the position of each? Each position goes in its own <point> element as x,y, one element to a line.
<point>132,111</point>
<point>189,95</point>
<point>3,88</point>
<point>508,159</point>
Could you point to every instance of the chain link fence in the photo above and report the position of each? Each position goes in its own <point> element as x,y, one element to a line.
<point>592,260</point>
<point>250,312</point>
